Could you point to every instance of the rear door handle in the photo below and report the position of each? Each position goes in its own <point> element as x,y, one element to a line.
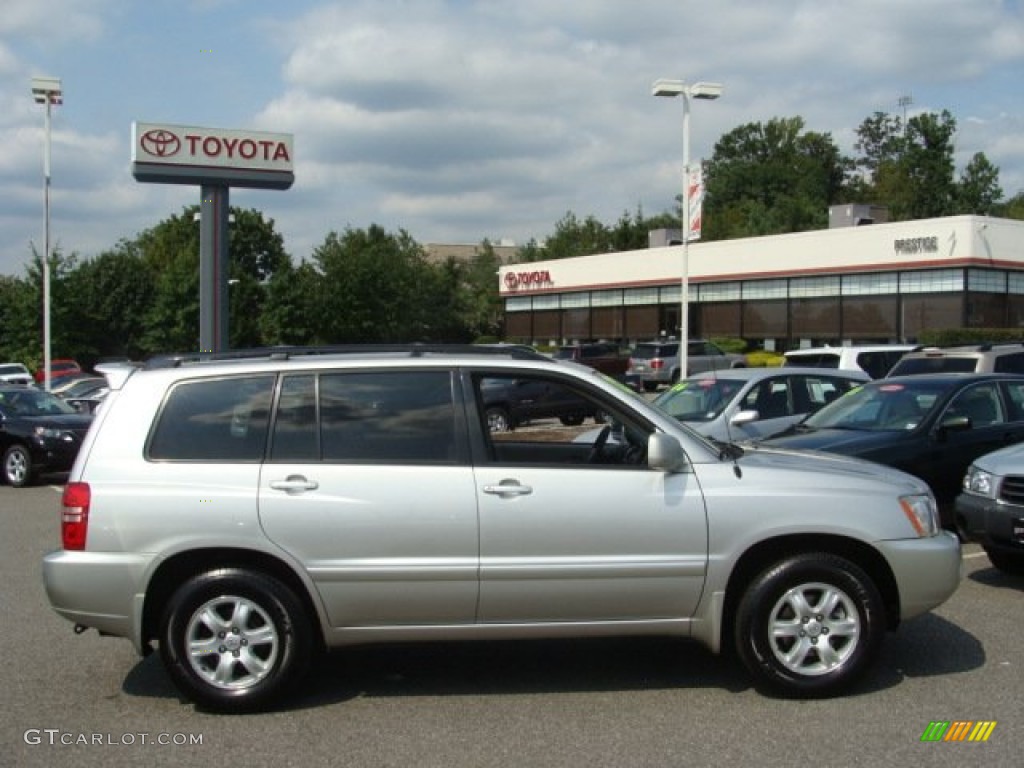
<point>508,488</point>
<point>294,484</point>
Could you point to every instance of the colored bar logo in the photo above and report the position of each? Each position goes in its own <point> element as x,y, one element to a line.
<point>958,730</point>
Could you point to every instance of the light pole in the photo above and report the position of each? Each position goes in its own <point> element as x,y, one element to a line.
<point>46,90</point>
<point>671,89</point>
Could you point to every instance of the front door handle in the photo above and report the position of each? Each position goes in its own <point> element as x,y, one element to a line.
<point>508,488</point>
<point>294,484</point>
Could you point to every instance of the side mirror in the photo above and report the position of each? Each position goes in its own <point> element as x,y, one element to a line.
<point>952,424</point>
<point>665,453</point>
<point>744,417</point>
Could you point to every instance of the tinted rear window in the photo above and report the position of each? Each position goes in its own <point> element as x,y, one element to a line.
<point>814,360</point>
<point>650,351</point>
<point>943,364</point>
<point>214,420</point>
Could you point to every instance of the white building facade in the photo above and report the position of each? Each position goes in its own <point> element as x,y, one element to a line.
<point>865,284</point>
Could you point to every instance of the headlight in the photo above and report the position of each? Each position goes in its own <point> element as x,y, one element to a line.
<point>922,513</point>
<point>49,433</point>
<point>980,482</point>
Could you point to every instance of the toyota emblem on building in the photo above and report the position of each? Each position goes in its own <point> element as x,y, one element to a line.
<point>160,143</point>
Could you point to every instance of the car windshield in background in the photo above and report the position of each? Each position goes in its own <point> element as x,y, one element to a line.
<point>698,399</point>
<point>890,405</point>
<point>31,402</point>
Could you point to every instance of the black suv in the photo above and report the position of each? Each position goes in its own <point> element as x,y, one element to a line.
<point>511,403</point>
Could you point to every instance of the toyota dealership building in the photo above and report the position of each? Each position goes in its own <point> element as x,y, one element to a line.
<point>848,284</point>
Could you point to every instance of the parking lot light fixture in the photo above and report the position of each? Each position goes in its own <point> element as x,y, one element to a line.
<point>46,90</point>
<point>699,90</point>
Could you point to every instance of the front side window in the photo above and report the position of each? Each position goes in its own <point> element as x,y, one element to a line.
<point>214,420</point>
<point>545,421</point>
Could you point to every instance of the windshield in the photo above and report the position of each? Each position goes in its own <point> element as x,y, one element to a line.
<point>7,369</point>
<point>698,399</point>
<point>31,402</point>
<point>885,405</point>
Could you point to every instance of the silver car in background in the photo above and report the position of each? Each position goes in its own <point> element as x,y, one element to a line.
<point>750,403</point>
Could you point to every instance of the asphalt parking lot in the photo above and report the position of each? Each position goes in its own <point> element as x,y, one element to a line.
<point>85,700</point>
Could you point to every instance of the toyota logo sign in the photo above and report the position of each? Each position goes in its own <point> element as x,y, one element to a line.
<point>516,280</point>
<point>160,143</point>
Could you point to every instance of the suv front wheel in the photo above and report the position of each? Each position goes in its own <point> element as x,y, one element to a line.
<point>232,639</point>
<point>809,624</point>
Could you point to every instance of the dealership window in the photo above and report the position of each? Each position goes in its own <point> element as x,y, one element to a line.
<point>814,318</point>
<point>546,325</point>
<point>722,319</point>
<point>764,289</point>
<point>545,302</point>
<point>986,281</point>
<point>518,304</point>
<point>933,281</point>
<point>870,319</point>
<point>576,323</point>
<point>931,312</point>
<point>606,298</point>
<point>1015,311</point>
<point>809,287</point>
<point>519,327</point>
<point>575,299</point>
<point>642,322</point>
<point>636,296</point>
<point>1015,283</point>
<point>866,285</point>
<point>720,292</point>
<point>986,310</point>
<point>765,319</point>
<point>607,323</point>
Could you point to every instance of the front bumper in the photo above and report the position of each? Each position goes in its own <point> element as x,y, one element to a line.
<point>995,524</point>
<point>928,571</point>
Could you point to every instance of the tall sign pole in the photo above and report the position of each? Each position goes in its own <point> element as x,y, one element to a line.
<point>215,160</point>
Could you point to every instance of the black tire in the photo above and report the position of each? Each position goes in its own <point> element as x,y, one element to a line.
<point>17,469</point>
<point>571,421</point>
<point>650,386</point>
<point>832,643</point>
<point>1007,562</point>
<point>249,638</point>
<point>498,420</point>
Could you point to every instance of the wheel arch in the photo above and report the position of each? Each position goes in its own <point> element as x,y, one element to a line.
<point>760,556</point>
<point>179,568</point>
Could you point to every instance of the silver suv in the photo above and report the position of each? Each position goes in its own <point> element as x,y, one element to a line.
<point>243,513</point>
<point>657,362</point>
<point>991,508</point>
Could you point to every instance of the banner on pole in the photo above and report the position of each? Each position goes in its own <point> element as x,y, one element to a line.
<point>695,196</point>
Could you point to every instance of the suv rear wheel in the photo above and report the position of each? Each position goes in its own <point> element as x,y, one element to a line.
<point>809,624</point>
<point>1007,562</point>
<point>233,639</point>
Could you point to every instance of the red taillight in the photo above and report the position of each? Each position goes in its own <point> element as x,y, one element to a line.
<point>657,363</point>
<point>74,515</point>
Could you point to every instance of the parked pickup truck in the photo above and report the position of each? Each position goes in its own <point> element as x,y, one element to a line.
<point>605,357</point>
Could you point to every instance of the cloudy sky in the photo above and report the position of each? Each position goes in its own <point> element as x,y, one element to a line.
<point>458,120</point>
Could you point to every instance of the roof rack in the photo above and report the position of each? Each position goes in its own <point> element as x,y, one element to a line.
<point>515,351</point>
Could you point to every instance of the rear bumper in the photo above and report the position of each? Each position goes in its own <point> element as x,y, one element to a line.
<point>97,590</point>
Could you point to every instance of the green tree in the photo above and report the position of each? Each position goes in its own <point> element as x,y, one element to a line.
<point>20,313</point>
<point>1012,208</point>
<point>769,178</point>
<point>927,164</point>
<point>978,191</point>
<point>379,287</point>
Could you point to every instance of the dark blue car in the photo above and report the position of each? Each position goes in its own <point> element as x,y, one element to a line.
<point>932,426</point>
